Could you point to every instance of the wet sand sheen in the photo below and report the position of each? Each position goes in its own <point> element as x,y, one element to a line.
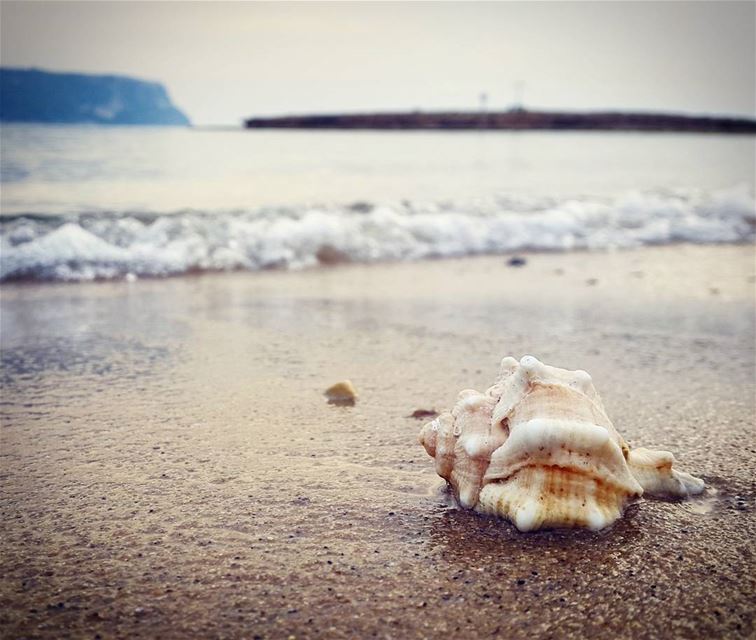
<point>170,467</point>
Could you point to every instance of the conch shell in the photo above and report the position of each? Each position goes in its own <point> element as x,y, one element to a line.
<point>538,448</point>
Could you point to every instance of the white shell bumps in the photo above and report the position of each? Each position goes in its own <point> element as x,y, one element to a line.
<point>538,448</point>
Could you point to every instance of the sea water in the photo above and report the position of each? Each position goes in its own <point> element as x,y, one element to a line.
<point>86,202</point>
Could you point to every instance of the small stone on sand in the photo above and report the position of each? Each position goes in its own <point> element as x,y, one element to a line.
<point>330,255</point>
<point>422,414</point>
<point>342,393</point>
<point>517,261</point>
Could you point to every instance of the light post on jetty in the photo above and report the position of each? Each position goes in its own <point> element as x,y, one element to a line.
<point>518,89</point>
<point>483,117</point>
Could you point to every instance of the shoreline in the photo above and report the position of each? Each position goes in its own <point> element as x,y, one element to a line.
<point>170,467</point>
<point>338,261</point>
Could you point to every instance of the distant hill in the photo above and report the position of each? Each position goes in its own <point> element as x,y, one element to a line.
<point>515,119</point>
<point>31,95</point>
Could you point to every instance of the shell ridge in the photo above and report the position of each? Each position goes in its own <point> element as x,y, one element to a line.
<point>655,472</point>
<point>563,468</point>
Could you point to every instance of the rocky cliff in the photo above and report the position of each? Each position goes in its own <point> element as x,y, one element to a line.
<point>31,95</point>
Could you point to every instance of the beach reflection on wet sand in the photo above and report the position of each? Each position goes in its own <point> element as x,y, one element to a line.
<point>170,467</point>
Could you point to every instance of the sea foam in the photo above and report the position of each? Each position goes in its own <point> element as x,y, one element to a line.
<point>127,244</point>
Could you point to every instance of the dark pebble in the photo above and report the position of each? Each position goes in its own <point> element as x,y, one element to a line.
<point>422,414</point>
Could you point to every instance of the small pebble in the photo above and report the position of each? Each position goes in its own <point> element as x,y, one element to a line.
<point>422,414</point>
<point>342,393</point>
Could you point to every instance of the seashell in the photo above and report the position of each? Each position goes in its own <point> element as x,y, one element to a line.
<point>341,393</point>
<point>538,449</point>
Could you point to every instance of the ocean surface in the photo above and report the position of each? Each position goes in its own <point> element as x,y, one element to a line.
<point>86,202</point>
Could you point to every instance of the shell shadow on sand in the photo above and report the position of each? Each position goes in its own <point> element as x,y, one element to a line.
<point>467,537</point>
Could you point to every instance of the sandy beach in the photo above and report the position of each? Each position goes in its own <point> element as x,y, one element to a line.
<point>171,469</point>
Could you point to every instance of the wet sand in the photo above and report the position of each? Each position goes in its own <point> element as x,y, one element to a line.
<point>170,468</point>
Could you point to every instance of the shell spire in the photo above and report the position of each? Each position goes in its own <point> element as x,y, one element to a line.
<point>538,449</point>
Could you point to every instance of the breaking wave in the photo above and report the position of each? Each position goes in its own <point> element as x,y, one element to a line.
<point>132,244</point>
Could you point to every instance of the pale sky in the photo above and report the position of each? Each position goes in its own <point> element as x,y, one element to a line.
<point>222,62</point>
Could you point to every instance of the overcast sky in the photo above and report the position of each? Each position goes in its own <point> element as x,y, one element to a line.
<point>225,61</point>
